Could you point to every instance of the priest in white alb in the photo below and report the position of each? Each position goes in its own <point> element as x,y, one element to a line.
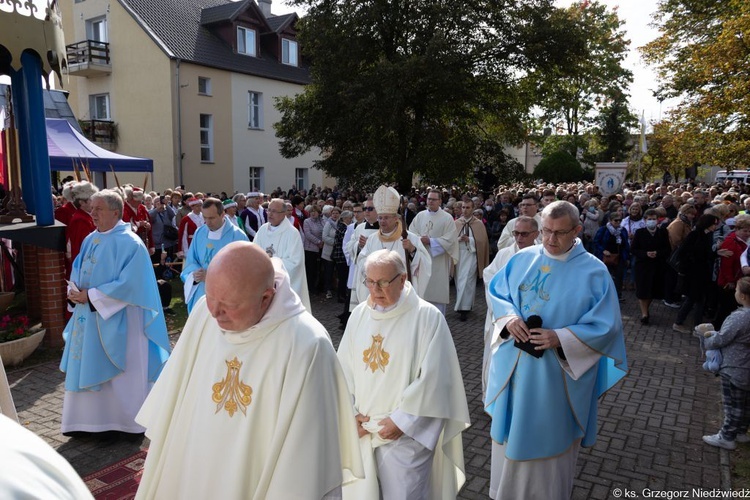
<point>390,236</point>
<point>402,370</point>
<point>355,244</point>
<point>279,238</point>
<point>253,403</point>
<point>437,231</point>
<point>473,256</point>
<point>525,233</point>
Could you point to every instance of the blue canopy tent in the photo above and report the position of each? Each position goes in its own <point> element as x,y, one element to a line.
<point>67,145</point>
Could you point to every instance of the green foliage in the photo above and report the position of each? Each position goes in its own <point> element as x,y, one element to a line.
<point>702,58</point>
<point>558,167</point>
<point>614,123</point>
<point>578,74</point>
<point>409,86</point>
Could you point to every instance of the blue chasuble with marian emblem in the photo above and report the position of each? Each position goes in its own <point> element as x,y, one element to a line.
<point>538,410</point>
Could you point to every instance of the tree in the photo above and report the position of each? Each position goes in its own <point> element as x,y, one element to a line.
<point>559,167</point>
<point>409,86</point>
<point>583,71</point>
<point>614,122</point>
<point>701,57</point>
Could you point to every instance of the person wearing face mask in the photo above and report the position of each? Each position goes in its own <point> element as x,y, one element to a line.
<point>651,249</point>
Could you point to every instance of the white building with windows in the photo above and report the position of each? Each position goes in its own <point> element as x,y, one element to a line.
<point>191,84</point>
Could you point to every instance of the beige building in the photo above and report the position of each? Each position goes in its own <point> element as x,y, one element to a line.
<point>191,84</point>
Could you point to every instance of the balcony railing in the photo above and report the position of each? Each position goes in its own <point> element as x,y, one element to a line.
<point>89,58</point>
<point>103,132</point>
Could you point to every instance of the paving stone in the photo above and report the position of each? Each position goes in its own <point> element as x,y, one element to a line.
<point>651,424</point>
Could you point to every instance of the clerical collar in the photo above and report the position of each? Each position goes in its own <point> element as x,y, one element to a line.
<point>430,212</point>
<point>376,225</point>
<point>120,223</point>
<point>272,228</point>
<point>391,307</point>
<point>216,235</point>
<point>388,235</point>
<point>561,257</point>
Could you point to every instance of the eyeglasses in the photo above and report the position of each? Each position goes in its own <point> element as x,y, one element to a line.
<point>358,211</point>
<point>382,284</point>
<point>558,234</point>
<point>369,209</point>
<point>522,234</point>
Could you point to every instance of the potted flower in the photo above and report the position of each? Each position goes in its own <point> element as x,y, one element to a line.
<point>18,338</point>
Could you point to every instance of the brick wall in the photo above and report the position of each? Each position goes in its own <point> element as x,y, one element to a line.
<point>44,270</point>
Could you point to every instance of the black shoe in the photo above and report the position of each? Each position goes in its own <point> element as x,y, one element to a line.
<point>463,315</point>
<point>644,320</point>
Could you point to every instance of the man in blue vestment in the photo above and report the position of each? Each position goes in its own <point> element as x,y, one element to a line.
<point>559,303</point>
<point>214,235</point>
<point>116,341</point>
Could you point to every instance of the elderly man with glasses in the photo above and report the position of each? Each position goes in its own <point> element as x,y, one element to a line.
<point>525,235</point>
<point>402,371</point>
<point>557,347</point>
<point>279,238</point>
<point>529,207</point>
<point>390,235</point>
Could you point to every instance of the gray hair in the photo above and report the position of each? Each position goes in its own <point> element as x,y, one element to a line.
<point>111,198</point>
<point>327,209</point>
<point>385,258</point>
<point>560,209</point>
<point>529,220</point>
<point>347,214</point>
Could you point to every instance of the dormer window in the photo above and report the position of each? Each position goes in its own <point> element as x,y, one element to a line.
<point>245,41</point>
<point>289,52</point>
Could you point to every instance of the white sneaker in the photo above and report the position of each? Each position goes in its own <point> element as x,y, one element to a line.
<point>720,442</point>
<point>742,438</point>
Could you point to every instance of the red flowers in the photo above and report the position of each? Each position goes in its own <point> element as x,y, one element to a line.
<point>14,327</point>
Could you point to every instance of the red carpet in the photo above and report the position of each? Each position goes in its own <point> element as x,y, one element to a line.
<point>118,481</point>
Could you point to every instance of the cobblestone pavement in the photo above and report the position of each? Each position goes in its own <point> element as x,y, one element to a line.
<point>650,425</point>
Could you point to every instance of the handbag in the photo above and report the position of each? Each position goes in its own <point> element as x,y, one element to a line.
<point>611,260</point>
<point>169,232</point>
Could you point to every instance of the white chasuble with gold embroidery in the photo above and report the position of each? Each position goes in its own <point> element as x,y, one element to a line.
<point>404,359</point>
<point>259,414</point>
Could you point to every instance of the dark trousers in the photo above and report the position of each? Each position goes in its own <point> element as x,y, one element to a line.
<point>736,404</point>
<point>342,270</point>
<point>670,284</point>
<point>725,305</point>
<point>328,275</point>
<point>687,306</point>
<point>312,269</point>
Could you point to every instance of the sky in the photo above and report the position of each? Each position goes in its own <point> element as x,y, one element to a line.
<point>637,17</point>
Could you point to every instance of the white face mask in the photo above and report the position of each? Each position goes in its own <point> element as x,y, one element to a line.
<point>651,224</point>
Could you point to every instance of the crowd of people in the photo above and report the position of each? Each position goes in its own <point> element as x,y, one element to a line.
<point>390,259</point>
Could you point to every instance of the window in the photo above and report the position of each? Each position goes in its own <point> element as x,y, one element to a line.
<point>207,138</point>
<point>256,178</point>
<point>99,107</point>
<point>96,29</point>
<point>246,41</point>
<point>254,110</point>
<point>300,178</point>
<point>204,85</point>
<point>289,52</point>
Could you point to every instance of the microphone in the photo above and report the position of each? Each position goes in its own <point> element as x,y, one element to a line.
<point>532,321</point>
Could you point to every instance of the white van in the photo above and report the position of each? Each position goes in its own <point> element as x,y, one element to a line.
<point>734,175</point>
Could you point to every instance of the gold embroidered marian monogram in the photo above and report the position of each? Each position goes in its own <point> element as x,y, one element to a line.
<point>375,357</point>
<point>231,393</point>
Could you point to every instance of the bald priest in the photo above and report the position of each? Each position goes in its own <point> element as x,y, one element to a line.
<point>253,404</point>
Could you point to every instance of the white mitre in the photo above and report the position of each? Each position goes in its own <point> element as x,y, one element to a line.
<point>386,200</point>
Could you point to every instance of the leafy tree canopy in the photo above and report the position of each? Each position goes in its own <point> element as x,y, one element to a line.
<point>583,71</point>
<point>411,86</point>
<point>702,57</point>
<point>559,167</point>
